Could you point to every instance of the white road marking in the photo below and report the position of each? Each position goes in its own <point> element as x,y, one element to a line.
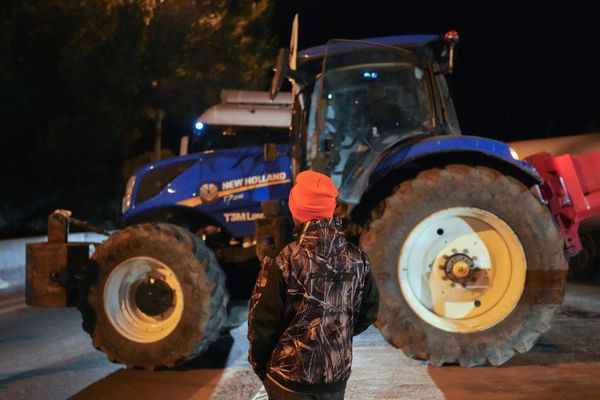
<point>11,300</point>
<point>11,304</point>
<point>13,308</point>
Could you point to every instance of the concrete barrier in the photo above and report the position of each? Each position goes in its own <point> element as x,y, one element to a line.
<point>12,257</point>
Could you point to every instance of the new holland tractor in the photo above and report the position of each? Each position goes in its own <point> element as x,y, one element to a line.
<point>467,242</point>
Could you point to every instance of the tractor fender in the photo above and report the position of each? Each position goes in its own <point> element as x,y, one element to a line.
<point>406,159</point>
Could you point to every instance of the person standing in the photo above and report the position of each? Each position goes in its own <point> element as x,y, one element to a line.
<point>310,300</point>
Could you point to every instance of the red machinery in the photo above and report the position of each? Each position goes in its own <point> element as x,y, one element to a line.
<point>571,190</point>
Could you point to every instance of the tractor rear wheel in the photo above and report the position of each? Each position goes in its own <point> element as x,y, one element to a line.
<point>469,264</point>
<point>153,296</point>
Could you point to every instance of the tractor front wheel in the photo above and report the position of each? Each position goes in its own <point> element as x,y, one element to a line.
<point>153,296</point>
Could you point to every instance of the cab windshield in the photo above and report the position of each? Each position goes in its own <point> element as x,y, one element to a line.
<point>366,98</point>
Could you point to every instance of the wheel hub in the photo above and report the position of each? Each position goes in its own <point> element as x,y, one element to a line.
<point>143,299</point>
<point>153,296</point>
<point>460,268</point>
<point>462,291</point>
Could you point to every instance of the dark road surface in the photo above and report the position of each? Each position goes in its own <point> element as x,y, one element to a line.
<point>45,354</point>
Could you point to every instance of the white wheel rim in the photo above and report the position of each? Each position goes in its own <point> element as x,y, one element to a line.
<point>120,306</point>
<point>436,245</point>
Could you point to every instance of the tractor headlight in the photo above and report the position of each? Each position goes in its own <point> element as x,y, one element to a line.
<point>514,153</point>
<point>126,203</point>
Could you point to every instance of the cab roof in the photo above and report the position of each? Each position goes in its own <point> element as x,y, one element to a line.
<point>403,41</point>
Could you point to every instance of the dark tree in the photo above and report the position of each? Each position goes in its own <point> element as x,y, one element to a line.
<point>77,82</point>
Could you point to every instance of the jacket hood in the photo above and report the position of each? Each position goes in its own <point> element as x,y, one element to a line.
<point>323,237</point>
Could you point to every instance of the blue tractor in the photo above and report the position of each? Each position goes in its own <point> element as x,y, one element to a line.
<point>469,261</point>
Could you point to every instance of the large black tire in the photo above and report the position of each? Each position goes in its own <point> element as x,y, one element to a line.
<point>202,291</point>
<point>435,190</point>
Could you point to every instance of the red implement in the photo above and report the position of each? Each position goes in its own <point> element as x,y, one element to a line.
<point>571,189</point>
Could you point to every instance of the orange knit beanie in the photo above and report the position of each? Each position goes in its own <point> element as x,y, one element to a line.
<point>313,196</point>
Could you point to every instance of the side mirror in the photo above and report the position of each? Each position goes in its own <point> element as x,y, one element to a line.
<point>270,151</point>
<point>281,68</point>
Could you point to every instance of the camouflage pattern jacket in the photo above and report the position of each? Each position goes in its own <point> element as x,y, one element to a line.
<point>307,304</point>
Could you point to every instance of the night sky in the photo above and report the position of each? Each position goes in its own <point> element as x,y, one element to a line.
<point>525,69</point>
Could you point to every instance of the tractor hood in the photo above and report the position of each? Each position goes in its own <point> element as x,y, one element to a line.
<point>225,184</point>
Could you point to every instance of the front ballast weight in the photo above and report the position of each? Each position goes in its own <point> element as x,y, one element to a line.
<point>52,268</point>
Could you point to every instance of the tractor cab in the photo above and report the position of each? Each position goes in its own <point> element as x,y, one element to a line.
<point>357,99</point>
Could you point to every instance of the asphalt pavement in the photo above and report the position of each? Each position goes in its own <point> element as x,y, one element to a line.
<point>45,354</point>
